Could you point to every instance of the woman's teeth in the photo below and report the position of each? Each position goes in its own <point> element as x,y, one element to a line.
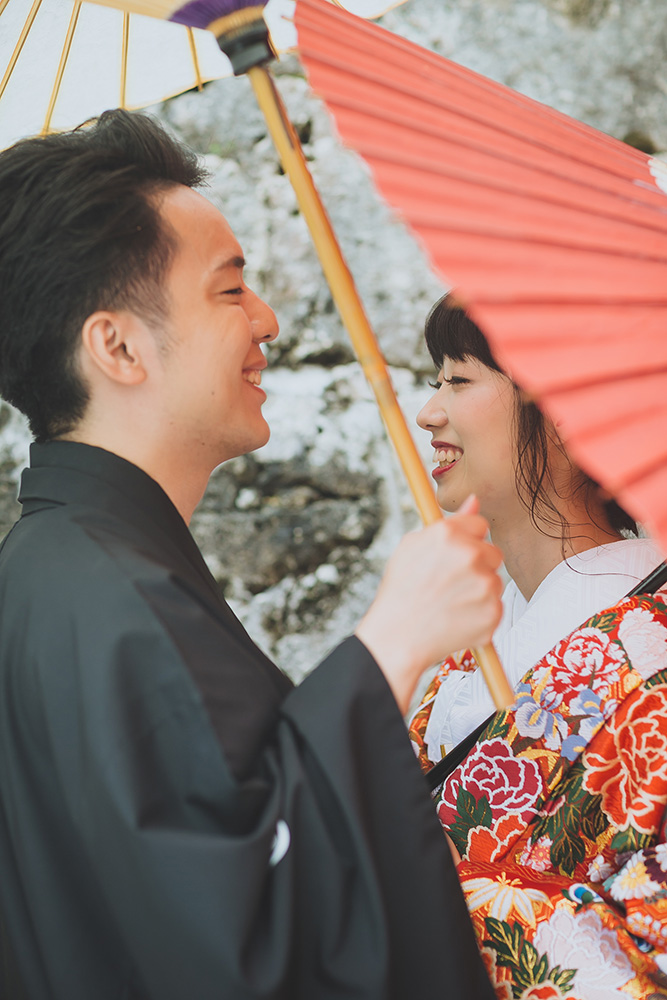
<point>253,375</point>
<point>447,456</point>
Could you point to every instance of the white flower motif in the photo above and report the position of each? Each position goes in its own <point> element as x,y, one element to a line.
<point>599,869</point>
<point>645,641</point>
<point>504,896</point>
<point>661,856</point>
<point>580,941</point>
<point>633,881</point>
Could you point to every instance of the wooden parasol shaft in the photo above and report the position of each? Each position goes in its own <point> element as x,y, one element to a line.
<point>363,339</point>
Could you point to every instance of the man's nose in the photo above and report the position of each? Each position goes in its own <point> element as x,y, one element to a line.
<point>263,320</point>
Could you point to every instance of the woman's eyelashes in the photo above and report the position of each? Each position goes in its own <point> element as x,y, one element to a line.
<point>454,380</point>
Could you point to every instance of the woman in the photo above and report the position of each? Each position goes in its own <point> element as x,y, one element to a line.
<point>563,540</point>
<point>559,811</point>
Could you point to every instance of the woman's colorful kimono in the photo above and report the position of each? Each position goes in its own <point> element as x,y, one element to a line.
<point>559,816</point>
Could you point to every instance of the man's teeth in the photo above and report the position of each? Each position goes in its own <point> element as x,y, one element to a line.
<point>253,375</point>
<point>447,456</point>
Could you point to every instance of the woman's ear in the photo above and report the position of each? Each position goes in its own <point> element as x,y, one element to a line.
<point>113,343</point>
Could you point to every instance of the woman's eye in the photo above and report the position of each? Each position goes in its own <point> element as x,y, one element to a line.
<point>456,380</point>
<point>436,385</point>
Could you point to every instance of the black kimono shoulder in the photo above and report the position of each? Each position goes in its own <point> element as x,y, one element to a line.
<point>177,821</point>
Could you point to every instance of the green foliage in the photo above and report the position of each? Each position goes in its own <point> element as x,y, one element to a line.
<point>631,840</point>
<point>605,622</point>
<point>527,966</point>
<point>498,728</point>
<point>580,819</point>
<point>470,813</point>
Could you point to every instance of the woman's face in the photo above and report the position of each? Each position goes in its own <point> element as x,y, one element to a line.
<point>470,418</point>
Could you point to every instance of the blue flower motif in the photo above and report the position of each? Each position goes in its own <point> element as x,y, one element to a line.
<point>587,702</point>
<point>573,746</point>
<point>535,721</point>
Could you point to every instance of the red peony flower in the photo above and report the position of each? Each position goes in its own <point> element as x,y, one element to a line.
<point>509,784</point>
<point>628,764</point>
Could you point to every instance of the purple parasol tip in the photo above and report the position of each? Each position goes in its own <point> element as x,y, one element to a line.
<point>201,13</point>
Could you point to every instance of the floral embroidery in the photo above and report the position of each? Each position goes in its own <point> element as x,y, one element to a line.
<point>599,869</point>
<point>493,774</point>
<point>630,768</point>
<point>560,815</point>
<point>645,641</point>
<point>581,941</point>
<point>500,897</point>
<point>537,855</point>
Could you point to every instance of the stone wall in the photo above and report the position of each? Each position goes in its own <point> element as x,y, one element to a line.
<point>297,533</point>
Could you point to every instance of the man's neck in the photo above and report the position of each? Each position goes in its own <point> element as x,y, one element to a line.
<point>181,480</point>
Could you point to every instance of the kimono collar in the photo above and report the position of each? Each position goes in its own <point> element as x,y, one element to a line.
<point>68,472</point>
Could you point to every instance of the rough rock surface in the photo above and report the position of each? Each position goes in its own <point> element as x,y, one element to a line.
<point>298,532</point>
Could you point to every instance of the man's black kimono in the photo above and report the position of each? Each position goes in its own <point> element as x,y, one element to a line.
<point>176,821</point>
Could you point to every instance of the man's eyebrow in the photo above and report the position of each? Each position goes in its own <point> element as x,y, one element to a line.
<point>236,261</point>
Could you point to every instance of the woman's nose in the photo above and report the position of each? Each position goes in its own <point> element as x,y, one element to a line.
<point>432,414</point>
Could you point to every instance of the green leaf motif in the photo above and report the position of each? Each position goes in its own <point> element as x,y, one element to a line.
<point>498,728</point>
<point>527,966</point>
<point>562,978</point>
<point>605,622</point>
<point>469,814</point>
<point>505,940</point>
<point>631,840</point>
<point>593,821</point>
<point>533,967</point>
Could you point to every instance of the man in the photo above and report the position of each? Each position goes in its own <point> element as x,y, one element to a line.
<point>176,820</point>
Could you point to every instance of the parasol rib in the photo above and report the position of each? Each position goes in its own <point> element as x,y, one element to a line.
<point>30,20</point>
<point>195,59</point>
<point>123,64</point>
<point>71,28</point>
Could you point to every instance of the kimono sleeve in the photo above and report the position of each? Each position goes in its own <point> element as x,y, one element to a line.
<point>320,873</point>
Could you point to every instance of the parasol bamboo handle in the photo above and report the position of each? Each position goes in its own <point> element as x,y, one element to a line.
<point>363,339</point>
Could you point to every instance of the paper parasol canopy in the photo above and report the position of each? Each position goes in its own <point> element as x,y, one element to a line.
<point>62,61</point>
<point>554,235</point>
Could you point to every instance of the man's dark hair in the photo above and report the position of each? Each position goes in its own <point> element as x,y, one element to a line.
<point>80,230</point>
<point>450,333</point>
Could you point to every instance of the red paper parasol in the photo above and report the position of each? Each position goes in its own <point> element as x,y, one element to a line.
<point>554,234</point>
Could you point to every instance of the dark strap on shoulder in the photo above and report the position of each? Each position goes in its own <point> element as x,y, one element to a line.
<point>444,767</point>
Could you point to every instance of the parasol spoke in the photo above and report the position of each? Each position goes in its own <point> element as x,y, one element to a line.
<point>195,59</point>
<point>67,46</point>
<point>19,45</point>
<point>123,59</point>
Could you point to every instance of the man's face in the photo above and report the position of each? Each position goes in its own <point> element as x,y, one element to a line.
<point>212,363</point>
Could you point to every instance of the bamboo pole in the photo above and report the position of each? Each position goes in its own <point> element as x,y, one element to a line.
<point>363,339</point>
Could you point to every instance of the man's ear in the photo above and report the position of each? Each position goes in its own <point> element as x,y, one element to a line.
<point>115,343</point>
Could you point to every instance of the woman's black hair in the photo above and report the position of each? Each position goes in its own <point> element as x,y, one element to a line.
<point>450,333</point>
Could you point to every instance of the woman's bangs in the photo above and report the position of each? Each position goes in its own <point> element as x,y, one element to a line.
<point>449,333</point>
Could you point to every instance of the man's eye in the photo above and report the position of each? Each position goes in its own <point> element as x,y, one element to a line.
<point>232,291</point>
